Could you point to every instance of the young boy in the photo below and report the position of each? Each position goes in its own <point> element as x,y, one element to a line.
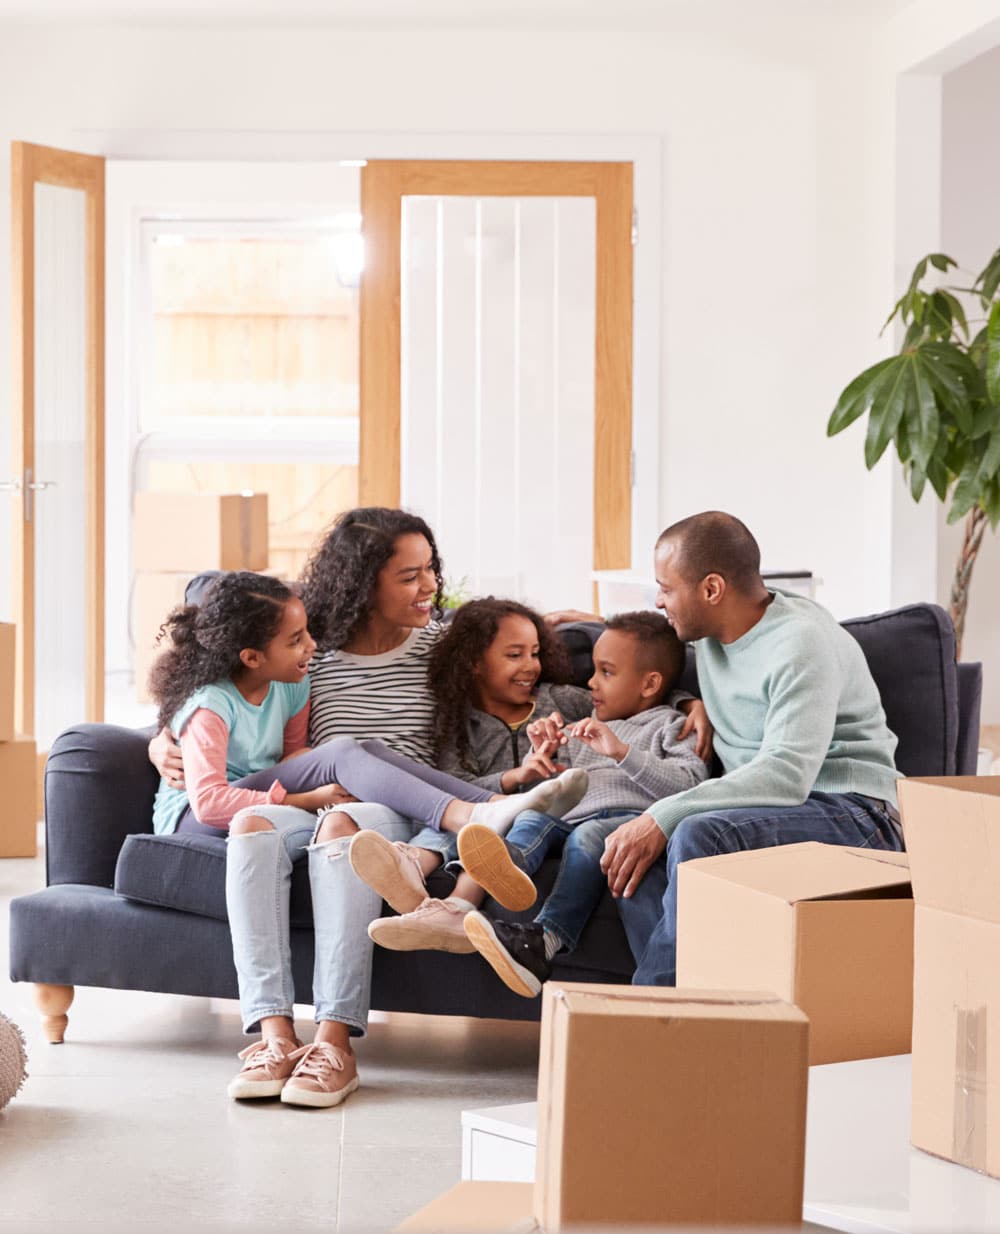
<point>630,751</point>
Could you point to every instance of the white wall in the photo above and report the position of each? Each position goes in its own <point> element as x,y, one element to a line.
<point>776,258</point>
<point>971,234</point>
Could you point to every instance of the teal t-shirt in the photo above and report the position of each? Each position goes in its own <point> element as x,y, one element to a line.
<point>256,736</point>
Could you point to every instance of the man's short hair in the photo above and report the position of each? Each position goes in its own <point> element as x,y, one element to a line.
<point>659,649</point>
<point>715,543</point>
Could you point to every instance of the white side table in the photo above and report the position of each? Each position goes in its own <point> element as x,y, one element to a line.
<point>862,1175</point>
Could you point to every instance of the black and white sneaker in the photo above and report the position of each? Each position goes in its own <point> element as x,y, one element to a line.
<point>515,952</point>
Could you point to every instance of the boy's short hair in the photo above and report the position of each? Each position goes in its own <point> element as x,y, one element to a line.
<point>659,648</point>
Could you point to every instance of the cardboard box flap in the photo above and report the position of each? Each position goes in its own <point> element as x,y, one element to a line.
<point>579,998</point>
<point>799,872</point>
<point>952,830</point>
<point>471,1207</point>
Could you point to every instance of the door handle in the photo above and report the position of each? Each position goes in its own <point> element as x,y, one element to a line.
<point>32,486</point>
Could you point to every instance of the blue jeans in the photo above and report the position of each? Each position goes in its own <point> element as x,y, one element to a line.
<point>650,914</point>
<point>580,882</point>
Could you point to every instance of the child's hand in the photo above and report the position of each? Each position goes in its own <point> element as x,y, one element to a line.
<point>540,764</point>
<point>596,734</point>
<point>320,798</point>
<point>547,731</point>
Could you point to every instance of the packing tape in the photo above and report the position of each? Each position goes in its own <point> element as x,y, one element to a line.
<point>969,1114</point>
<point>720,1000</point>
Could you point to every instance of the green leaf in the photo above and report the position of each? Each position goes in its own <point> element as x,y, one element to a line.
<point>939,315</point>
<point>984,419</point>
<point>937,473</point>
<point>918,478</point>
<point>922,420</point>
<point>940,261</point>
<point>957,312</point>
<point>856,398</point>
<point>992,368</point>
<point>991,503</point>
<point>887,409</point>
<point>903,443</point>
<point>946,376</point>
<point>989,279</point>
<point>991,459</point>
<point>967,491</point>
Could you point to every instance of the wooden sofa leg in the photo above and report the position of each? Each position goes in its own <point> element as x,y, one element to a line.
<point>53,1002</point>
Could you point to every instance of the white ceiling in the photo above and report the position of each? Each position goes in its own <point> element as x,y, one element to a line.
<point>378,13</point>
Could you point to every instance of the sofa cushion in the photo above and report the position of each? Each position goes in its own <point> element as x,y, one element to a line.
<point>911,654</point>
<point>188,873</point>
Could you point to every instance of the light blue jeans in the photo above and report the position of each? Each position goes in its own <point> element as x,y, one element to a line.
<point>258,889</point>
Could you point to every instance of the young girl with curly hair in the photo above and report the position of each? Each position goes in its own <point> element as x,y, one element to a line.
<point>497,674</point>
<point>369,601</point>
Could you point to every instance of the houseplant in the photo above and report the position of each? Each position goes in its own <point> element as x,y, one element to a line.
<point>937,402</point>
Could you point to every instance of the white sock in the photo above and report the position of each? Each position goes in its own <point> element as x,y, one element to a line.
<point>552,943</point>
<point>499,815</point>
<point>465,905</point>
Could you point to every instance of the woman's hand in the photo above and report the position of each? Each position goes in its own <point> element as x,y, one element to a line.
<point>697,722</point>
<point>561,616</point>
<point>165,755</point>
<point>599,737</point>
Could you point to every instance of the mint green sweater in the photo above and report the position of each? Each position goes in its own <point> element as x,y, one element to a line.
<point>795,711</point>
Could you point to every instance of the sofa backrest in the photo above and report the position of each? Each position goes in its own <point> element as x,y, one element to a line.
<point>911,654</point>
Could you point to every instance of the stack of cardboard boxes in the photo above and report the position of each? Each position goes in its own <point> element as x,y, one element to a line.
<point>952,828</point>
<point>18,765</point>
<point>175,537</point>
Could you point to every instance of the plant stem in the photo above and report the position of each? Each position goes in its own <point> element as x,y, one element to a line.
<point>975,525</point>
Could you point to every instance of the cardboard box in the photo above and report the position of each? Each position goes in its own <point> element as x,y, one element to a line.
<point>952,828</point>
<point>472,1207</point>
<point>153,597</point>
<point>827,928</point>
<point>19,815</point>
<point>669,1107</point>
<point>8,644</point>
<point>200,531</point>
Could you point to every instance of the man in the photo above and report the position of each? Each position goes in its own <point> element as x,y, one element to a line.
<point>799,730</point>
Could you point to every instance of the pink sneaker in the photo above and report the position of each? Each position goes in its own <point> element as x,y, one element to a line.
<point>267,1064</point>
<point>324,1075</point>
<point>435,926</point>
<point>391,869</point>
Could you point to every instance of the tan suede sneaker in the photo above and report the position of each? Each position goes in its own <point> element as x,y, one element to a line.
<point>267,1064</point>
<point>391,869</point>
<point>324,1075</point>
<point>486,856</point>
<point>435,926</point>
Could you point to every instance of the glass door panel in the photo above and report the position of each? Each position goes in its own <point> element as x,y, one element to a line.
<point>497,389</point>
<point>55,493</point>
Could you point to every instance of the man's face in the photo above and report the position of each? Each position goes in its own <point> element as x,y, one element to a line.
<point>681,601</point>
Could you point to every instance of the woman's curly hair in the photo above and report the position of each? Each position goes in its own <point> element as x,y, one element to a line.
<point>451,672</point>
<point>338,583</point>
<point>239,610</point>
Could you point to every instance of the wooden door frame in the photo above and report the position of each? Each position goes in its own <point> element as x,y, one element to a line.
<point>384,183</point>
<point>31,165</point>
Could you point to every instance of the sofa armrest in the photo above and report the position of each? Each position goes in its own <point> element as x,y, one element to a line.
<point>970,698</point>
<point>99,788</point>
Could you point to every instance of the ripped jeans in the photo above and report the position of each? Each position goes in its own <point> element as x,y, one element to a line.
<point>258,888</point>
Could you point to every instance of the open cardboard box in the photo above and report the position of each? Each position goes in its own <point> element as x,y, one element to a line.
<point>952,829</point>
<point>827,928</point>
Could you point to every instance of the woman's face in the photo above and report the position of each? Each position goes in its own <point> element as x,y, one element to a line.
<point>406,585</point>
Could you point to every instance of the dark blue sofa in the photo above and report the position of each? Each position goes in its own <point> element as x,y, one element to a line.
<point>129,910</point>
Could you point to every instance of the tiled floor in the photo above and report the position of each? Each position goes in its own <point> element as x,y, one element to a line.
<point>127,1124</point>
